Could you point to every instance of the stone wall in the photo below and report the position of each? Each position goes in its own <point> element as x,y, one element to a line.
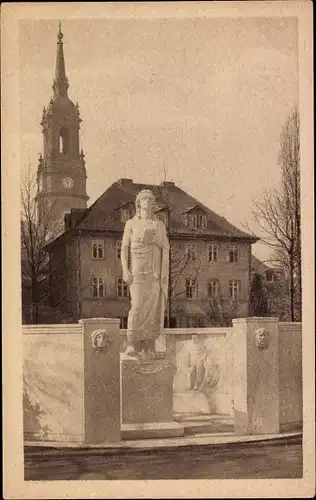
<point>290,374</point>
<point>53,383</point>
<point>217,371</point>
<point>71,382</point>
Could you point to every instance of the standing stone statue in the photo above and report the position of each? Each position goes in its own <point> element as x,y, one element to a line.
<point>146,240</point>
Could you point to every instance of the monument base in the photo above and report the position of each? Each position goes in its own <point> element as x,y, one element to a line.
<point>147,399</point>
<point>152,430</point>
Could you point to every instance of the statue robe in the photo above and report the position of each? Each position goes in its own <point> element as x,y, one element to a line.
<point>150,269</point>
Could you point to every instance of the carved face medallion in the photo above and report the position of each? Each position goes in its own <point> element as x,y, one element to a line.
<point>262,338</point>
<point>101,340</point>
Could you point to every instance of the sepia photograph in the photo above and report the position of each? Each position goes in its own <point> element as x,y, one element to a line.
<point>160,278</point>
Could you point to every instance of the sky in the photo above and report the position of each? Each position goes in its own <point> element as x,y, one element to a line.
<point>200,101</point>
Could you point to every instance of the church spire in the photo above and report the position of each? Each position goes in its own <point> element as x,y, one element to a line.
<point>60,85</point>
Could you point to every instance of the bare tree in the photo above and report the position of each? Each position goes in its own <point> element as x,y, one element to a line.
<point>182,264</point>
<point>219,312</point>
<point>258,302</point>
<point>37,229</point>
<point>278,214</point>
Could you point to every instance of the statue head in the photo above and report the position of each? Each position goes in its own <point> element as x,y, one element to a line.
<point>262,338</point>
<point>195,339</point>
<point>198,340</point>
<point>145,200</point>
<point>100,340</point>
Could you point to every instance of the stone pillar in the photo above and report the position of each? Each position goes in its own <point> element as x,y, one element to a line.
<point>147,395</point>
<point>256,375</point>
<point>101,347</point>
<point>147,399</point>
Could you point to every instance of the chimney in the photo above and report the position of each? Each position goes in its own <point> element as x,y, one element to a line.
<point>125,182</point>
<point>67,222</point>
<point>167,184</point>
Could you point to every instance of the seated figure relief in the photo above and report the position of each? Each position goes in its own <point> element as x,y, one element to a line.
<point>196,370</point>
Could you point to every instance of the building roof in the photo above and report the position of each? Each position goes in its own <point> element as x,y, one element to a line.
<point>261,267</point>
<point>258,266</point>
<point>104,213</point>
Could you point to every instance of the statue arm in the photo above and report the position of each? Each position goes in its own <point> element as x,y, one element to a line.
<point>125,251</point>
<point>165,260</point>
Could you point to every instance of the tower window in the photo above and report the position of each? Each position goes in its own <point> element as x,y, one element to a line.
<point>64,141</point>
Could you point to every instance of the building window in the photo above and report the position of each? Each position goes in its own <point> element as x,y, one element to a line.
<point>269,276</point>
<point>190,289</point>
<point>233,253</point>
<point>125,214</point>
<point>123,323</point>
<point>121,288</point>
<point>98,287</point>
<point>234,289</point>
<point>191,251</point>
<point>97,249</point>
<point>118,249</point>
<point>213,288</point>
<point>212,253</point>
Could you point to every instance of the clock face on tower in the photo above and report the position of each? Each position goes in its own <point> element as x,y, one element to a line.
<point>67,182</point>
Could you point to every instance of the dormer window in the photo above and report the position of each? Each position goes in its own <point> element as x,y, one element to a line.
<point>197,221</point>
<point>202,220</point>
<point>196,218</point>
<point>125,215</point>
<point>126,210</point>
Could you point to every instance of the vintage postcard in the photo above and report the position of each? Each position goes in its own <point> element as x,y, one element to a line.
<point>158,312</point>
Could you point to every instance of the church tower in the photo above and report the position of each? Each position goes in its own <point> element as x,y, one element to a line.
<point>61,174</point>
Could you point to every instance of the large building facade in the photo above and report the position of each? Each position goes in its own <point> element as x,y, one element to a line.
<point>210,264</point>
<point>61,174</point>
<point>210,259</point>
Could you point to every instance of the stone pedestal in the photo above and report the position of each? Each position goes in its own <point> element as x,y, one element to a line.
<point>147,399</point>
<point>101,343</point>
<point>256,376</point>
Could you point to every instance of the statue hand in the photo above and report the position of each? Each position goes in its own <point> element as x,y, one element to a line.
<point>127,277</point>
